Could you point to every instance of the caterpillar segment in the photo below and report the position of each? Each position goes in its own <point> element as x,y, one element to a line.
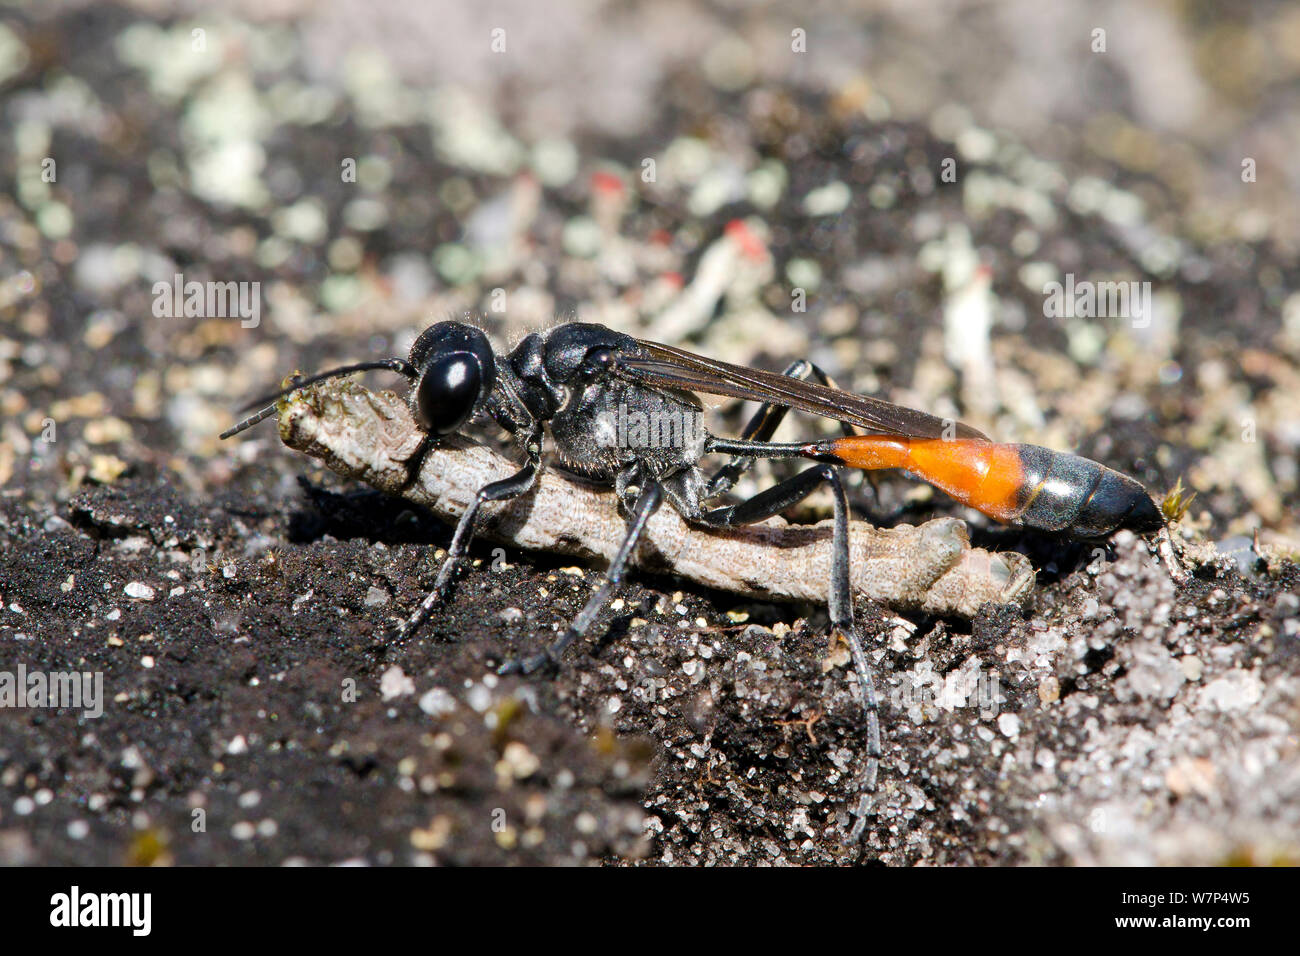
<point>1014,484</point>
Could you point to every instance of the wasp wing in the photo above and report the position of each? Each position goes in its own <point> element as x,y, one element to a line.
<point>668,367</point>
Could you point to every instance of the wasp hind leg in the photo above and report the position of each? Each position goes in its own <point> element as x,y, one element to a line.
<point>839,604</point>
<point>763,426</point>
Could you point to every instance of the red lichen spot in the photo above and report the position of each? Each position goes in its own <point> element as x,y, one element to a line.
<point>606,184</point>
<point>751,246</point>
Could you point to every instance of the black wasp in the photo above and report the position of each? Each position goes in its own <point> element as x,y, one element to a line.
<point>584,383</point>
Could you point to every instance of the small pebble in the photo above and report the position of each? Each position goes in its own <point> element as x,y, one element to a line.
<point>395,684</point>
<point>140,591</point>
<point>437,702</point>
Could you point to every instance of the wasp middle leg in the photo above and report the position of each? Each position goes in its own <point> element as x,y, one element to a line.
<point>647,501</point>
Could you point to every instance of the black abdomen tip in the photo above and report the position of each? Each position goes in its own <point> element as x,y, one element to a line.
<point>1083,498</point>
<point>1146,515</point>
<point>1117,502</point>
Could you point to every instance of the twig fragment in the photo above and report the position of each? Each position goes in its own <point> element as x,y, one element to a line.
<point>371,437</point>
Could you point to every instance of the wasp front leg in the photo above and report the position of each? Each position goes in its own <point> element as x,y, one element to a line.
<point>520,483</point>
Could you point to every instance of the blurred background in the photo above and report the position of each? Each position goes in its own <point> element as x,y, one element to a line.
<point>885,187</point>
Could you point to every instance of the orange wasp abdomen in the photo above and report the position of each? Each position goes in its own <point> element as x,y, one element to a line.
<point>1015,484</point>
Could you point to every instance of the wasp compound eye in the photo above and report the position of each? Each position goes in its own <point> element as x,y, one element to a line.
<point>449,388</point>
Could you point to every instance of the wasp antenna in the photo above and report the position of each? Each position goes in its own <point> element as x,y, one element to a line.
<point>392,365</point>
<point>401,366</point>
<point>249,422</point>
